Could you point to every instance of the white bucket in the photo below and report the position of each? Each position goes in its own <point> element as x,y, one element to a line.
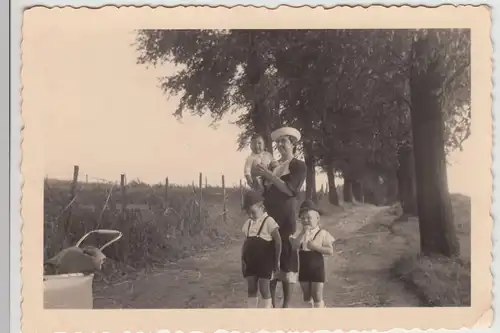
<point>68,291</point>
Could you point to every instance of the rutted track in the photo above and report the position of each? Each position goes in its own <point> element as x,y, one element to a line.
<point>357,274</point>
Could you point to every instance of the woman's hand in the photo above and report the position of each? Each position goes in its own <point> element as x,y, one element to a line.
<point>273,165</point>
<point>277,268</point>
<point>262,171</point>
<point>295,240</point>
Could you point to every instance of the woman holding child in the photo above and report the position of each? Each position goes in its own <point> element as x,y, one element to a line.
<point>283,184</point>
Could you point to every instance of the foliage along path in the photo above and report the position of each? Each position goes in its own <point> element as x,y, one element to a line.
<point>358,273</point>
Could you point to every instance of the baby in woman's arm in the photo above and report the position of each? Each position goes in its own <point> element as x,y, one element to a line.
<point>259,156</point>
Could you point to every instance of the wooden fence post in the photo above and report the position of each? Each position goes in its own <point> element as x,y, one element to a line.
<point>166,193</point>
<point>241,194</point>
<point>123,192</point>
<point>74,183</point>
<point>224,204</point>
<point>201,197</point>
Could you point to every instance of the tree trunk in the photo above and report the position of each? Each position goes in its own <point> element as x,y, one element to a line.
<point>391,183</point>
<point>333,197</point>
<point>437,229</point>
<point>260,114</point>
<point>370,197</point>
<point>406,181</point>
<point>373,192</point>
<point>306,122</point>
<point>311,174</point>
<point>357,190</point>
<point>347,190</point>
<point>261,121</point>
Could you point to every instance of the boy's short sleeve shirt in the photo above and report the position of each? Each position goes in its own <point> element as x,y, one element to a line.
<point>267,229</point>
<point>324,238</point>
<point>327,238</point>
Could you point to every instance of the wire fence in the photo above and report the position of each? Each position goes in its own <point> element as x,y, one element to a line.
<point>151,217</point>
<point>116,192</point>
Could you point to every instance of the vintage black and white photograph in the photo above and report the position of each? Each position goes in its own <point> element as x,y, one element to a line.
<point>254,167</point>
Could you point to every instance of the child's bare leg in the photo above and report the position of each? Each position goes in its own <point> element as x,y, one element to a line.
<point>265,292</point>
<point>272,288</point>
<point>307,293</point>
<point>257,183</point>
<point>252,286</point>
<point>317,294</point>
<point>249,180</point>
<point>287,293</point>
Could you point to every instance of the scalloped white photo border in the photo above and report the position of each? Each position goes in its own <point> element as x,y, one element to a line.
<point>15,153</point>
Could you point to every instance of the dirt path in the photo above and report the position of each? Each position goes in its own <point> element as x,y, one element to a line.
<point>357,274</point>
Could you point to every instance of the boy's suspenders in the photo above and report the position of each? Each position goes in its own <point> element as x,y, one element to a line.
<point>260,229</point>
<point>315,235</point>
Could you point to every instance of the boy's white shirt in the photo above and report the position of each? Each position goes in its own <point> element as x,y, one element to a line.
<point>264,157</point>
<point>324,238</point>
<point>267,229</point>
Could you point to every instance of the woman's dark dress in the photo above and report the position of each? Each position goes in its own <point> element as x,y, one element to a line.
<point>282,208</point>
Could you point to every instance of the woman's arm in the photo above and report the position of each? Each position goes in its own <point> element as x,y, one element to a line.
<point>276,181</point>
<point>277,247</point>
<point>249,180</point>
<point>292,186</point>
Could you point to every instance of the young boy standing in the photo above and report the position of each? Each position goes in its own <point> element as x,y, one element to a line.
<point>313,244</point>
<point>261,250</point>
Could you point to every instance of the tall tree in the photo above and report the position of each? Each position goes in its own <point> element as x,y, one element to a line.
<point>440,70</point>
<point>406,180</point>
<point>298,59</point>
<point>218,72</point>
<point>347,91</point>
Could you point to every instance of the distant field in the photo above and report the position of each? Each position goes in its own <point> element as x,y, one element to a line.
<point>155,231</point>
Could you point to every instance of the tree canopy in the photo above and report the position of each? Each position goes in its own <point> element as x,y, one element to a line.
<point>348,91</point>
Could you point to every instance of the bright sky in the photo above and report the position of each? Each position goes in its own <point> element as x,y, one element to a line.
<point>106,114</point>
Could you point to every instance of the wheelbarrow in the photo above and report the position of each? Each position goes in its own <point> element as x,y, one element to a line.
<point>68,289</point>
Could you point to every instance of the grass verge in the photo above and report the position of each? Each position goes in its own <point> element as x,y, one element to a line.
<point>437,280</point>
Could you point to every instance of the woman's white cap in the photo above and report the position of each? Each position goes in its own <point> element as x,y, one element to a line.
<point>275,135</point>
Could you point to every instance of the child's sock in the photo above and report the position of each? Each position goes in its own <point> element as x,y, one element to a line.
<point>252,302</point>
<point>320,304</point>
<point>309,304</point>
<point>267,303</point>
